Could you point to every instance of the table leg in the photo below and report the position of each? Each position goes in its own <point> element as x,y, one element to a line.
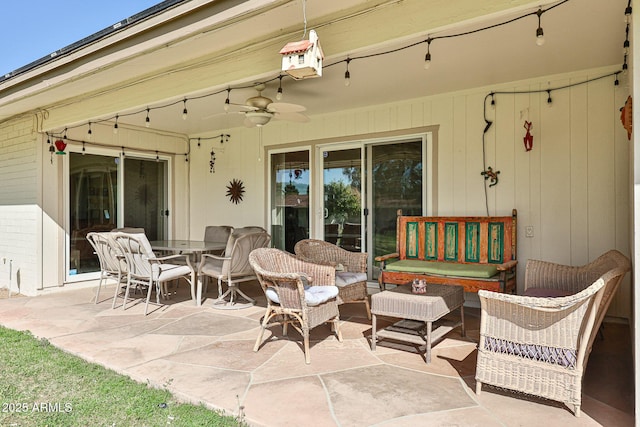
<point>427,354</point>
<point>373,332</point>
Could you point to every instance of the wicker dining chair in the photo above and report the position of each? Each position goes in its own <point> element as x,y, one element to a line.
<point>350,269</point>
<point>299,293</point>
<point>540,345</point>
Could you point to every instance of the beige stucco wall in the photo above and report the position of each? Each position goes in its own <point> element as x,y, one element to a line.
<point>572,188</point>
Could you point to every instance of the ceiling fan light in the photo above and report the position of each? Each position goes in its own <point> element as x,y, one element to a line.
<point>259,118</point>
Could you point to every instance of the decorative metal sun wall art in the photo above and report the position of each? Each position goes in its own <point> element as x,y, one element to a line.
<point>235,191</point>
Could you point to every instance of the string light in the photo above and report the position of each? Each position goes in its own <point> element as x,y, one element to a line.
<point>184,110</point>
<point>539,31</point>
<point>427,57</point>
<point>227,101</point>
<point>627,13</point>
<point>539,40</point>
<point>147,121</point>
<point>347,75</point>
<point>157,156</point>
<point>279,93</point>
<point>123,151</point>
<point>83,149</point>
<point>549,101</point>
<point>88,134</point>
<point>493,101</point>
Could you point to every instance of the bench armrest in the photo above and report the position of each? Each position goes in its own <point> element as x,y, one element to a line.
<point>383,258</point>
<point>506,266</point>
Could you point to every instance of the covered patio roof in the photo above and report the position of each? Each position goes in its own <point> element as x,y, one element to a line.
<point>195,50</point>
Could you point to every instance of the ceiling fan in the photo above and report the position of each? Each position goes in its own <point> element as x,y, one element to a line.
<point>260,110</point>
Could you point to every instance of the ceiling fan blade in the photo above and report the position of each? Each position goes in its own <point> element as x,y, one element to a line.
<point>283,107</point>
<point>292,117</point>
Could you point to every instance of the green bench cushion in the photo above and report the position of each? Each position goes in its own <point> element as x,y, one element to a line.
<point>480,271</point>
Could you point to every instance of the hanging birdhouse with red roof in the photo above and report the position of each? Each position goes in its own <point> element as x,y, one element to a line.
<point>303,59</point>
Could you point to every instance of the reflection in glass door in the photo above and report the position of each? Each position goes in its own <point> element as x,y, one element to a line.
<point>93,185</point>
<point>396,183</point>
<point>145,196</point>
<point>289,198</point>
<point>342,210</point>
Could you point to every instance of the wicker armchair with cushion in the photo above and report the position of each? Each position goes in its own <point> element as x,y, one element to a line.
<point>350,269</point>
<point>540,345</point>
<point>299,293</point>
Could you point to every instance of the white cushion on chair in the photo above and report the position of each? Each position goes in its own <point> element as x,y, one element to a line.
<point>170,272</point>
<point>314,295</point>
<point>345,278</point>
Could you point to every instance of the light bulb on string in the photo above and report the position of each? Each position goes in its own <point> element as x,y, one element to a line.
<point>184,110</point>
<point>227,101</point>
<point>347,74</point>
<point>157,156</point>
<point>147,121</point>
<point>83,149</point>
<point>549,100</point>
<point>115,126</point>
<point>493,101</point>
<point>89,134</point>
<point>279,93</point>
<point>627,13</point>
<point>539,31</point>
<point>427,57</point>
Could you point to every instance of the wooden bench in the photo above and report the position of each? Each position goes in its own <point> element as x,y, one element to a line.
<point>473,252</point>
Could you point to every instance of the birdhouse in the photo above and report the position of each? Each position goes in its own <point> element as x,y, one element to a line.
<point>303,59</point>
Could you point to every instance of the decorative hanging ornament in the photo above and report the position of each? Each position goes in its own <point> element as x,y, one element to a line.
<point>235,191</point>
<point>528,138</point>
<point>60,146</point>
<point>492,175</point>
<point>626,116</point>
<point>212,162</point>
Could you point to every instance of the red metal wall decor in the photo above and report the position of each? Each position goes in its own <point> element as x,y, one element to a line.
<point>626,116</point>
<point>528,138</point>
<point>60,146</point>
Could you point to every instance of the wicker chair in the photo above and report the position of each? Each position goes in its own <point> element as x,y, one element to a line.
<point>351,279</point>
<point>541,345</point>
<point>291,300</point>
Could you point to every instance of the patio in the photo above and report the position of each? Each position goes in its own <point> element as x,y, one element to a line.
<point>205,355</point>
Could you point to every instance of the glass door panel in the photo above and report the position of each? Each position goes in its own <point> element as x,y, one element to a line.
<point>396,183</point>
<point>145,196</point>
<point>93,186</point>
<point>289,198</point>
<point>342,184</point>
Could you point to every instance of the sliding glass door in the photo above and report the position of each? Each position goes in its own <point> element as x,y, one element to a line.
<point>342,198</point>
<point>104,195</point>
<point>396,181</point>
<point>289,194</point>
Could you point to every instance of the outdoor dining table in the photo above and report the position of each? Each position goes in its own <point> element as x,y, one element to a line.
<point>195,247</point>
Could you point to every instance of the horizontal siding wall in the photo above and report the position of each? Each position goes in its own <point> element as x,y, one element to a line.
<point>19,211</point>
<point>572,187</point>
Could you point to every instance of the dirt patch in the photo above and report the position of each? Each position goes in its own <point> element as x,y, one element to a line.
<point>4,293</point>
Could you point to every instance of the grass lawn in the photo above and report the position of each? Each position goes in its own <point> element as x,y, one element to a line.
<point>41,385</point>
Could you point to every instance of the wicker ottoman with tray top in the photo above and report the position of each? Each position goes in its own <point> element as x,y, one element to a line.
<point>419,311</point>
